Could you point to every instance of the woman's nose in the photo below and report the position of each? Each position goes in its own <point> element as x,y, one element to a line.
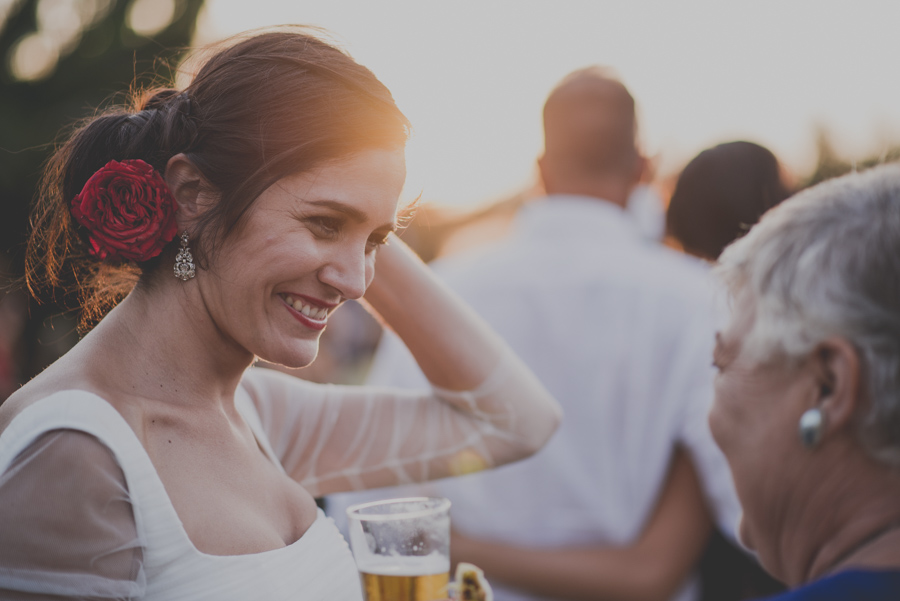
<point>347,272</point>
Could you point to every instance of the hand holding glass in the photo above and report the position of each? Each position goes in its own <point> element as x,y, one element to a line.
<point>402,548</point>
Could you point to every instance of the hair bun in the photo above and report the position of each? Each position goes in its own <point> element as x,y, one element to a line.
<point>159,99</point>
<point>169,113</point>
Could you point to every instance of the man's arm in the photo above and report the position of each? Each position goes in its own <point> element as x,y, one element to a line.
<point>650,569</point>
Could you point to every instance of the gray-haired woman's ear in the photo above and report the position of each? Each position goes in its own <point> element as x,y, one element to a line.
<point>824,266</point>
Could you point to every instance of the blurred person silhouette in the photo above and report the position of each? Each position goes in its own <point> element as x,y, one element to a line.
<point>621,332</point>
<point>721,193</point>
<point>647,209</point>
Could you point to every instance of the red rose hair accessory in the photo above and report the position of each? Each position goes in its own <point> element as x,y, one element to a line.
<point>128,210</point>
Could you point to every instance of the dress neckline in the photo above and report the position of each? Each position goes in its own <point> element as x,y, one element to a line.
<point>142,455</point>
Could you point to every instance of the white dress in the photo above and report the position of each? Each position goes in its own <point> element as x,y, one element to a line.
<point>84,514</point>
<point>317,566</point>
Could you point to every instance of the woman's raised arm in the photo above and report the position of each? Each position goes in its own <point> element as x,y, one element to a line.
<point>485,407</point>
<point>455,348</point>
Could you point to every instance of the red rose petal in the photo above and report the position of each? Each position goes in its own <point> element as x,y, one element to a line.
<point>128,210</point>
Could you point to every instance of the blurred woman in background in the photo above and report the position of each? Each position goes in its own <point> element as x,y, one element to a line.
<point>720,194</point>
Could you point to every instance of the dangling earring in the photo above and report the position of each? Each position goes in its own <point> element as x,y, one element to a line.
<point>812,425</point>
<point>184,261</point>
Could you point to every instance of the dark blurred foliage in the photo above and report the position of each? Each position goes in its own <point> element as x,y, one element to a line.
<point>108,62</point>
<point>831,164</point>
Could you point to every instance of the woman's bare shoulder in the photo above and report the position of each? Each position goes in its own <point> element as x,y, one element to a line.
<point>56,378</point>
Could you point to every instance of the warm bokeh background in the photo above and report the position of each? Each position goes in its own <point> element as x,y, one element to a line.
<point>472,75</point>
<point>814,81</point>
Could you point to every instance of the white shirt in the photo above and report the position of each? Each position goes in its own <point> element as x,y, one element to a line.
<point>620,331</point>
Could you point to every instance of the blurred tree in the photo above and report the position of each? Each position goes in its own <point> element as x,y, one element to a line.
<point>830,164</point>
<point>61,60</point>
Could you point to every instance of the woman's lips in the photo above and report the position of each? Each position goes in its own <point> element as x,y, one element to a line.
<point>304,311</point>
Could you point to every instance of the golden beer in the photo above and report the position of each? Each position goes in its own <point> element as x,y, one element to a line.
<point>385,587</point>
<point>402,548</point>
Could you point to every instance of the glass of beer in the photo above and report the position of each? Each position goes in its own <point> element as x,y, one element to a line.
<point>402,548</point>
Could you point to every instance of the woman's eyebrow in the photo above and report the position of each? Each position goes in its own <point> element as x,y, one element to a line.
<point>351,212</point>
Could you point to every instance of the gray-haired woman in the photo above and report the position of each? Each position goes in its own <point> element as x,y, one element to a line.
<point>807,404</point>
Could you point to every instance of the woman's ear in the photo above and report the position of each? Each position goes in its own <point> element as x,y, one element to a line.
<point>836,367</point>
<point>189,189</point>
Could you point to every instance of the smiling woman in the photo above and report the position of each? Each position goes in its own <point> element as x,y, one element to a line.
<point>151,461</point>
<point>308,244</point>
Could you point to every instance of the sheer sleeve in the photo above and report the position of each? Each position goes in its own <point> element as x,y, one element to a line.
<point>67,529</point>
<point>340,438</point>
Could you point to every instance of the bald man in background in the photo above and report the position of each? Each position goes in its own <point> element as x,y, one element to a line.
<point>620,331</point>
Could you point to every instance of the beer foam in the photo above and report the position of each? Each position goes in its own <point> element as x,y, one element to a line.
<point>405,565</point>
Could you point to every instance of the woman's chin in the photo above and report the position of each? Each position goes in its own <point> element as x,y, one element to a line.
<point>292,358</point>
<point>300,362</point>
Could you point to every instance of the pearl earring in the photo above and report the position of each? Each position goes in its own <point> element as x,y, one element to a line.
<point>184,261</point>
<point>812,424</point>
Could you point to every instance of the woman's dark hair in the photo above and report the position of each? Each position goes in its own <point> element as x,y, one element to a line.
<point>721,193</point>
<point>266,104</point>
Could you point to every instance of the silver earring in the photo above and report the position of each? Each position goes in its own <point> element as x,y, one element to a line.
<point>812,426</point>
<point>184,261</point>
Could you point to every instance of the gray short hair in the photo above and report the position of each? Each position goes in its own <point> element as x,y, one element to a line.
<point>827,263</point>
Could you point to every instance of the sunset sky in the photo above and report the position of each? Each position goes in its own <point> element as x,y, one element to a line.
<point>472,75</point>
